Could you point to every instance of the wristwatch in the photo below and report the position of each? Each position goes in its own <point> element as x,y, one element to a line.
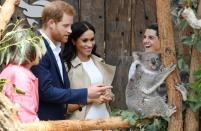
<point>80,108</point>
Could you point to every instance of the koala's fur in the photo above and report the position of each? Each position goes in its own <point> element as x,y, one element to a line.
<point>141,94</point>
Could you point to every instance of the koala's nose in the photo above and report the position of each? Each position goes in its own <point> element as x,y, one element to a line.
<point>153,61</point>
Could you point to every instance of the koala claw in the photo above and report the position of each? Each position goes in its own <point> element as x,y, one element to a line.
<point>182,90</point>
<point>164,98</point>
<point>171,110</point>
<point>172,67</point>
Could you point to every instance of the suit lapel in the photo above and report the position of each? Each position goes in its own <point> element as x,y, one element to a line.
<point>53,59</point>
<point>65,79</point>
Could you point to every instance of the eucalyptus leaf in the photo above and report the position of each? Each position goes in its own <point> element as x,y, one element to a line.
<point>194,3</point>
<point>198,45</point>
<point>187,40</point>
<point>197,73</point>
<point>194,97</point>
<point>9,57</point>
<point>140,123</point>
<point>22,40</point>
<point>183,24</point>
<point>132,121</point>
<point>2,56</point>
<point>195,106</point>
<point>2,83</point>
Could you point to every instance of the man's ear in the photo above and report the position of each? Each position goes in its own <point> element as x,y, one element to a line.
<point>51,23</point>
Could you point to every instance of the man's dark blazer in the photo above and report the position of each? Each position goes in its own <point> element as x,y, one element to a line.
<point>55,94</point>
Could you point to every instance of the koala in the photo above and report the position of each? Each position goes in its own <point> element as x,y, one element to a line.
<point>141,90</point>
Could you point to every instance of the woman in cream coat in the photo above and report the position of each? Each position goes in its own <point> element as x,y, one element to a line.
<point>85,68</point>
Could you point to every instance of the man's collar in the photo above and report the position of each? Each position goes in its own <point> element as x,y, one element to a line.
<point>54,46</point>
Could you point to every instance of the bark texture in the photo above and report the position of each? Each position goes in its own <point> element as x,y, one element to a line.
<point>6,12</point>
<point>77,125</point>
<point>169,57</point>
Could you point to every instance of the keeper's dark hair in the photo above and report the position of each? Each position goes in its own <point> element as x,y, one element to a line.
<point>153,26</point>
<point>70,51</point>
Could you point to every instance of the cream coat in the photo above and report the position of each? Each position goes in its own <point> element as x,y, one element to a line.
<point>80,79</point>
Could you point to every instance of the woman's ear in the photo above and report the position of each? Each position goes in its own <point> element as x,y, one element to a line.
<point>73,42</point>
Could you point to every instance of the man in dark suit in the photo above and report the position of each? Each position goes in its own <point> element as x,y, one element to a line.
<point>54,87</point>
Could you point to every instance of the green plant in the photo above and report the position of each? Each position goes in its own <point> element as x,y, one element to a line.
<point>141,123</point>
<point>14,43</point>
<point>194,97</point>
<point>193,38</point>
<point>2,83</point>
<point>194,35</point>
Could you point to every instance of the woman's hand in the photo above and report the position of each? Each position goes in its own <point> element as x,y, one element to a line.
<point>102,99</point>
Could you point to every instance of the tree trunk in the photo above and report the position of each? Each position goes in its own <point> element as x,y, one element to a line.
<point>6,12</point>
<point>169,57</point>
<point>77,125</point>
<point>191,120</point>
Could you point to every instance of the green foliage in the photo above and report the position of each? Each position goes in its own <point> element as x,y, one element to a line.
<point>182,24</point>
<point>15,42</point>
<point>158,124</point>
<point>198,44</point>
<point>182,65</point>
<point>141,123</point>
<point>131,116</point>
<point>181,62</point>
<point>194,38</point>
<point>2,83</point>
<point>187,40</point>
<point>194,98</point>
<point>194,3</point>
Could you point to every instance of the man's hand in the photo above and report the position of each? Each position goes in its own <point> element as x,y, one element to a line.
<point>95,91</point>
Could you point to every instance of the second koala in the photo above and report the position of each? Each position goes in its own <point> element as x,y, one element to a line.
<point>141,94</point>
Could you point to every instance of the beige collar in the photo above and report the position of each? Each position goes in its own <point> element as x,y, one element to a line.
<point>75,62</point>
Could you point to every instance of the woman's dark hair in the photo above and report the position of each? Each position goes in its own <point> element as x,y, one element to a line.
<point>78,28</point>
<point>153,26</point>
